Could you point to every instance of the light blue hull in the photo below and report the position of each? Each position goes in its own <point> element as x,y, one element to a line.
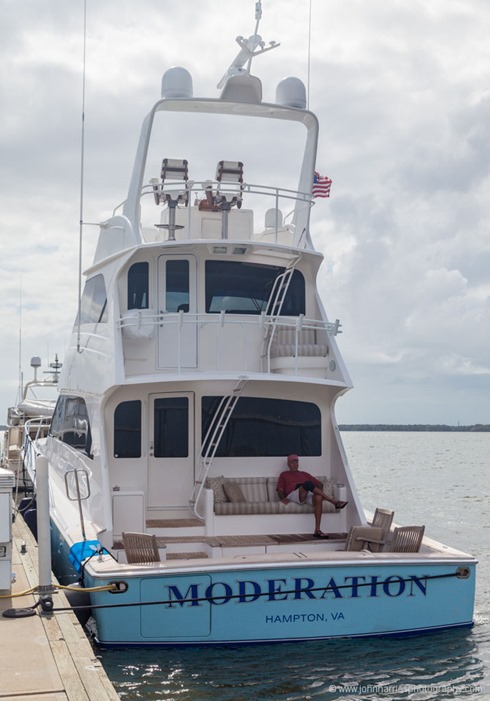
<point>284,604</point>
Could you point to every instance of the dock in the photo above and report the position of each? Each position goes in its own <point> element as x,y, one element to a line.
<point>45,657</point>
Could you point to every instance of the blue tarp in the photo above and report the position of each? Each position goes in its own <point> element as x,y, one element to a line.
<point>80,551</point>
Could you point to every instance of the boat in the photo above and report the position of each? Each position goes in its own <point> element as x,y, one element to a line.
<point>202,357</point>
<point>34,407</point>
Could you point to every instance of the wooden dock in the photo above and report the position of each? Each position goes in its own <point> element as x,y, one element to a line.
<point>45,657</point>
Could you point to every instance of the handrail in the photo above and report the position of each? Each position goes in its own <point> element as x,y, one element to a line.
<point>276,301</point>
<point>37,423</point>
<point>249,188</point>
<point>293,201</point>
<point>78,467</point>
<point>265,324</point>
<point>213,436</point>
<point>201,318</point>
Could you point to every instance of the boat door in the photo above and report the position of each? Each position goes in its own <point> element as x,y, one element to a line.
<point>171,454</point>
<point>177,332</point>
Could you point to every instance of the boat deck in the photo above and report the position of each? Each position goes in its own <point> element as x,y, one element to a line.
<point>45,657</point>
<point>172,543</point>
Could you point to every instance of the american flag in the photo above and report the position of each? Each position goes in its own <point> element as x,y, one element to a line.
<point>321,185</point>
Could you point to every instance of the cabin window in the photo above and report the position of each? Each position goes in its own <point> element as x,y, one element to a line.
<point>138,275</point>
<point>93,307</point>
<point>248,288</point>
<point>171,427</point>
<point>127,430</point>
<point>262,427</point>
<point>177,286</point>
<point>70,424</point>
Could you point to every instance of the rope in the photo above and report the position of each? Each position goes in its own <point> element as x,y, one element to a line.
<point>212,599</point>
<point>36,590</point>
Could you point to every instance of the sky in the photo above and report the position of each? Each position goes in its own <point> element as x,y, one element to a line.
<point>402,92</point>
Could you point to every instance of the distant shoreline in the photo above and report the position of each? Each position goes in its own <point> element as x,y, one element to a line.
<point>443,428</point>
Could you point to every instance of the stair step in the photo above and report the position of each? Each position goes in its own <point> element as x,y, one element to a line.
<point>186,556</point>
<point>173,523</point>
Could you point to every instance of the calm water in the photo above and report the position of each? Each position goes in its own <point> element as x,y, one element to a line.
<point>437,479</point>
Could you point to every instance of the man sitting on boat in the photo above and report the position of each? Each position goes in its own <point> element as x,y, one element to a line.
<point>302,488</point>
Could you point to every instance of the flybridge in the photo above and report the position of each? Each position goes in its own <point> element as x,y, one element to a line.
<point>274,183</point>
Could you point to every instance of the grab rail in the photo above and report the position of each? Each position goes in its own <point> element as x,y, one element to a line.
<point>222,323</point>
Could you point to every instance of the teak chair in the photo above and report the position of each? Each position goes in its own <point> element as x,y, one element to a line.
<point>371,537</point>
<point>383,519</point>
<point>141,548</point>
<point>407,539</point>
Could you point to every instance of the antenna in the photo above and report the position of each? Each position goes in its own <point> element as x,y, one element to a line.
<point>309,60</point>
<point>248,50</point>
<point>21,378</point>
<point>82,166</point>
<point>258,17</point>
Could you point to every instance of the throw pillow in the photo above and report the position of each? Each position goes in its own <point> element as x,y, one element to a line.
<point>233,492</point>
<point>216,484</point>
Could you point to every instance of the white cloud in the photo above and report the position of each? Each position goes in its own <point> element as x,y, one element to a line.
<point>401,90</point>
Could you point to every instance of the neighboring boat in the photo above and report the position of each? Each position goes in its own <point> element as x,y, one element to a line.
<point>35,406</point>
<point>200,359</point>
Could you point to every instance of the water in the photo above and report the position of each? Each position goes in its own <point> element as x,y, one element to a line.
<point>436,479</point>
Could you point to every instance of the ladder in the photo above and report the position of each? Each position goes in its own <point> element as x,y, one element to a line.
<point>276,301</point>
<point>212,439</point>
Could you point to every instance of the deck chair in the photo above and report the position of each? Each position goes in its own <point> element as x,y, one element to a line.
<point>407,539</point>
<point>382,519</point>
<point>371,537</point>
<point>141,548</point>
<point>364,538</point>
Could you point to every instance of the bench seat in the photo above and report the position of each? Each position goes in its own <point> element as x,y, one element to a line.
<point>259,496</point>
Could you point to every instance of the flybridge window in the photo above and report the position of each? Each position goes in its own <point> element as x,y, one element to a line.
<point>249,288</point>
<point>70,423</point>
<point>138,286</point>
<point>261,427</point>
<point>93,308</point>
<point>127,430</point>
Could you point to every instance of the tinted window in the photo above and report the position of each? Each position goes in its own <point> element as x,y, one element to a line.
<point>138,286</point>
<point>177,285</point>
<point>93,308</point>
<point>266,427</point>
<point>70,423</point>
<point>246,288</point>
<point>171,427</point>
<point>127,430</point>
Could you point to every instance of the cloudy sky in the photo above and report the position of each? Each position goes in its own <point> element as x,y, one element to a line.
<point>402,91</point>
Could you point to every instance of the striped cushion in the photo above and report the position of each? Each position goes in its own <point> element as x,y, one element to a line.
<point>247,508</point>
<point>261,498</point>
<point>254,488</point>
<point>284,343</point>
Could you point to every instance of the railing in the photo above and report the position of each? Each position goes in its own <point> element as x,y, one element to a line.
<point>261,199</point>
<point>212,439</point>
<point>34,429</point>
<point>76,476</point>
<point>144,324</point>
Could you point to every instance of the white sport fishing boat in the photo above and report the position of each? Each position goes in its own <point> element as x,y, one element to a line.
<point>201,358</point>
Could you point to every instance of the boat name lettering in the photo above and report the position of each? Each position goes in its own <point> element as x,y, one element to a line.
<point>296,588</point>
